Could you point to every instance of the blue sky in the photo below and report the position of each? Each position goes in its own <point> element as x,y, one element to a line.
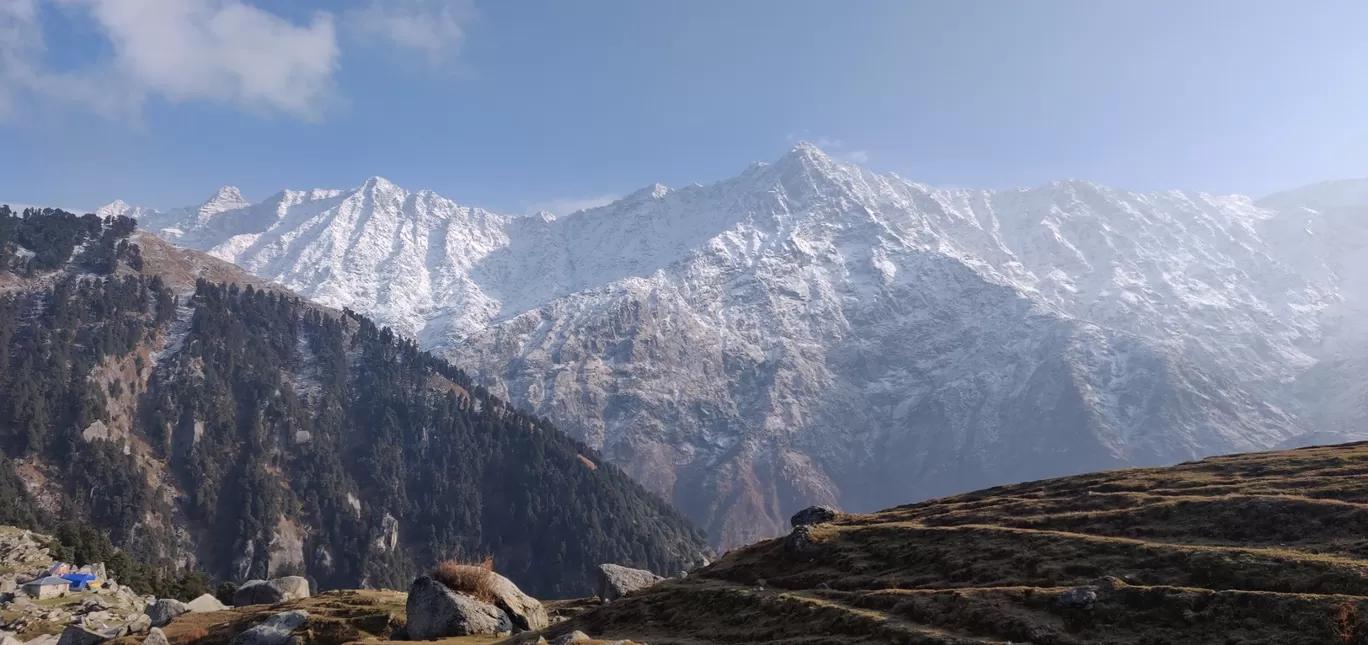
<point>520,103</point>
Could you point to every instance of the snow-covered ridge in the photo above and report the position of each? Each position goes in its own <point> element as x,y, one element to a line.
<point>810,331</point>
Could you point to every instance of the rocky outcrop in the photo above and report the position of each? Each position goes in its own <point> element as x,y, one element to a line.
<point>270,592</point>
<point>814,515</point>
<point>165,610</point>
<point>277,630</point>
<point>616,581</point>
<point>434,611</point>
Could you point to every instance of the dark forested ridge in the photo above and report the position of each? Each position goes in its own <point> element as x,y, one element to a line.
<point>246,433</point>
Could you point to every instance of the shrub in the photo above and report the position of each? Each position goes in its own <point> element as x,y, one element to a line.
<point>474,580</point>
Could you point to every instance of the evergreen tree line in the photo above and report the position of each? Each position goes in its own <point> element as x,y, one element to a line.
<point>40,240</point>
<point>392,458</point>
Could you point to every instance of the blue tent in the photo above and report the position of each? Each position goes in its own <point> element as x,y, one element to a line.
<point>78,580</point>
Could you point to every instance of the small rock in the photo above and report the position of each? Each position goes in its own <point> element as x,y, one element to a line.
<point>155,637</point>
<point>164,610</point>
<point>800,539</point>
<point>77,635</point>
<point>572,637</point>
<point>814,515</point>
<point>204,603</point>
<point>616,581</point>
<point>139,624</point>
<point>1107,583</point>
<point>1078,598</point>
<point>277,630</point>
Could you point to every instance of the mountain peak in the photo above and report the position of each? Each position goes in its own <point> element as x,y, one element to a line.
<point>378,183</point>
<point>226,195</point>
<point>808,151</point>
<point>654,191</point>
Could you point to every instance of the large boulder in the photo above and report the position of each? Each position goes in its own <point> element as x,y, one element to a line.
<point>525,611</point>
<point>800,539</point>
<point>204,603</point>
<point>814,515</point>
<point>164,610</point>
<point>616,581</point>
<point>276,630</point>
<point>155,637</point>
<point>434,611</point>
<point>77,635</point>
<point>270,592</point>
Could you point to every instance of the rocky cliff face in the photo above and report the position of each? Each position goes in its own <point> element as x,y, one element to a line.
<point>811,332</point>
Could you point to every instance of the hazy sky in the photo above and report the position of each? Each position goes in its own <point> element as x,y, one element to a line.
<point>516,104</point>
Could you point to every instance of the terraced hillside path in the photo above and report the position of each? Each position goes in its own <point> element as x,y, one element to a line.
<point>1240,550</point>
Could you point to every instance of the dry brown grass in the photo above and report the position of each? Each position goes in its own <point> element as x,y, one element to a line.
<point>472,579</point>
<point>1259,549</point>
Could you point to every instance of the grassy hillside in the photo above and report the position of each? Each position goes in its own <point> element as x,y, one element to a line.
<point>1259,548</point>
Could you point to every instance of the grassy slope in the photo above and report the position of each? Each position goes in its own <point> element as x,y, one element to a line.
<point>1261,548</point>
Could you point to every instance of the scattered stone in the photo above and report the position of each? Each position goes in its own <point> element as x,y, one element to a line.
<point>163,611</point>
<point>1078,598</point>
<point>573,637</point>
<point>277,630</point>
<point>434,612</point>
<point>155,637</point>
<point>271,592</point>
<point>800,539</point>
<point>206,603</point>
<point>1108,583</point>
<point>8,584</point>
<point>616,581</point>
<point>139,624</point>
<point>814,515</point>
<point>77,635</point>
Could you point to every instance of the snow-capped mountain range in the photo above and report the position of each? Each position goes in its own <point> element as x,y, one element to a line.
<point>812,332</point>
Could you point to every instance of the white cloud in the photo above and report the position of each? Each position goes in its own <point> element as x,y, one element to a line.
<point>567,205</point>
<point>230,52</point>
<point>433,28</point>
<point>224,51</point>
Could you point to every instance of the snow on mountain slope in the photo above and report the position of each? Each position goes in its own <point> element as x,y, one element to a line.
<point>809,331</point>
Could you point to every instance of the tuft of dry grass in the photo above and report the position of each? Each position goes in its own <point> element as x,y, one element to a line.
<point>472,579</point>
